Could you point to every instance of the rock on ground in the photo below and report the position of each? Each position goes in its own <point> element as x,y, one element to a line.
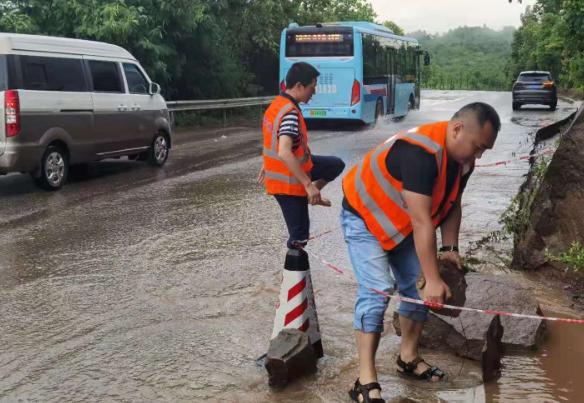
<point>455,279</point>
<point>289,357</point>
<point>465,335</point>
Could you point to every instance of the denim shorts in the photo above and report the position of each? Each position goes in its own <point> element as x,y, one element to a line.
<point>372,265</point>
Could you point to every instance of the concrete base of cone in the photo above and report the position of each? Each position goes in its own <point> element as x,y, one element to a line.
<point>318,351</point>
<point>290,357</point>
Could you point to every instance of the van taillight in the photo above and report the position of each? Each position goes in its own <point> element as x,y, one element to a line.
<point>356,93</point>
<point>283,86</point>
<point>12,108</point>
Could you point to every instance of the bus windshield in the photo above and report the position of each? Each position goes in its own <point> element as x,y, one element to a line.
<point>319,42</point>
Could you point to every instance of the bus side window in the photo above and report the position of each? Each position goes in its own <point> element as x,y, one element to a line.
<point>368,59</point>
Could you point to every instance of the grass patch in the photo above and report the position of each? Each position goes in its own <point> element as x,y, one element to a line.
<point>574,258</point>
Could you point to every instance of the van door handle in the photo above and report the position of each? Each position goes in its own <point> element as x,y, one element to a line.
<point>136,107</point>
<point>122,108</point>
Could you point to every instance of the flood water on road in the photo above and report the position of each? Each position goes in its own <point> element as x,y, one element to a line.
<point>140,285</point>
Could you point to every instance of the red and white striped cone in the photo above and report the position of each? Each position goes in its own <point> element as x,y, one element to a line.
<point>296,307</point>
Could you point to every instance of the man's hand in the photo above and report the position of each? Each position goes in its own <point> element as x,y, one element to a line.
<point>452,257</point>
<point>436,290</point>
<point>314,197</point>
<point>262,176</point>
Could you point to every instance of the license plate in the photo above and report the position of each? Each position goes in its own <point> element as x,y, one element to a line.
<point>534,87</point>
<point>317,113</point>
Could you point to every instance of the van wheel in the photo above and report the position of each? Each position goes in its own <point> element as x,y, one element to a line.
<point>378,109</point>
<point>158,153</point>
<point>54,169</point>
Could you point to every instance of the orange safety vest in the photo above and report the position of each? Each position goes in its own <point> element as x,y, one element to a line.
<point>378,197</point>
<point>279,179</point>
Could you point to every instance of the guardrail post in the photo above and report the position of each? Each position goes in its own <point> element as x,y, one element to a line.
<point>172,119</point>
<point>224,117</point>
<point>261,112</point>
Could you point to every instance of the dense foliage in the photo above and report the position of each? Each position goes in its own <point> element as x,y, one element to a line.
<point>467,58</point>
<point>193,48</point>
<point>551,38</point>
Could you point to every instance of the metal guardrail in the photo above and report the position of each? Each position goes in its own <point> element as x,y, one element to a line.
<point>224,104</point>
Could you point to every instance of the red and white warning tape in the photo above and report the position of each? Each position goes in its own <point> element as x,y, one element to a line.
<point>513,160</point>
<point>458,308</point>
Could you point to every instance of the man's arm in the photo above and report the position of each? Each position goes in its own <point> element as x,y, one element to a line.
<point>420,210</point>
<point>285,153</point>
<point>450,227</point>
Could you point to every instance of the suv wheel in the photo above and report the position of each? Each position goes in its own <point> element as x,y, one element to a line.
<point>516,106</point>
<point>554,105</point>
<point>54,168</point>
<point>158,153</point>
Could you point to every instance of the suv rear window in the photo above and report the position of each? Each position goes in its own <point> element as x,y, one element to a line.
<point>52,74</point>
<point>319,42</point>
<point>534,77</point>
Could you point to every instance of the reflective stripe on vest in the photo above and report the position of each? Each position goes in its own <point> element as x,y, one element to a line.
<point>279,179</point>
<point>283,178</point>
<point>390,223</point>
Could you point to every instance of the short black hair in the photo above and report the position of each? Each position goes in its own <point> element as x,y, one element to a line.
<point>302,73</point>
<point>482,113</point>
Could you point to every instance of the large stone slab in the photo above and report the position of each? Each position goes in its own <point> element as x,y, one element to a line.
<point>289,357</point>
<point>455,279</point>
<point>465,335</point>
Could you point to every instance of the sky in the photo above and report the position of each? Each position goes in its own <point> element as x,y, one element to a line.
<point>435,16</point>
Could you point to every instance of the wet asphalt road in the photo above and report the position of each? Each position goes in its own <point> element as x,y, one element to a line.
<point>136,284</point>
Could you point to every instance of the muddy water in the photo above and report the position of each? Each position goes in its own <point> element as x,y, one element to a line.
<point>140,285</point>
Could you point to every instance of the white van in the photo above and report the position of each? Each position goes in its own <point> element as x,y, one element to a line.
<point>69,101</point>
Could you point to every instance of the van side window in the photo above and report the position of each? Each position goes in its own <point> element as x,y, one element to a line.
<point>52,74</point>
<point>3,73</point>
<point>136,81</point>
<point>105,76</point>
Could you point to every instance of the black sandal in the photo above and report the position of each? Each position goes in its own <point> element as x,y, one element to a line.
<point>364,391</point>
<point>410,367</point>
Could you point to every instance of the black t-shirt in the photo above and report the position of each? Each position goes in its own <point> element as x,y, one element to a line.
<point>417,169</point>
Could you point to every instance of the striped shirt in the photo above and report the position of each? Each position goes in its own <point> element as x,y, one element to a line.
<point>289,127</point>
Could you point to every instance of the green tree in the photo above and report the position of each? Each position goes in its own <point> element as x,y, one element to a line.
<point>467,57</point>
<point>193,48</point>
<point>551,38</point>
<point>394,27</point>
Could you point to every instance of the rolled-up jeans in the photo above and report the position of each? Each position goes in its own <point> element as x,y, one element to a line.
<point>380,269</point>
<point>295,208</point>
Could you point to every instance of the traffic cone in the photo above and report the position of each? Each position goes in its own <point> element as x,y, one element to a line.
<point>296,307</point>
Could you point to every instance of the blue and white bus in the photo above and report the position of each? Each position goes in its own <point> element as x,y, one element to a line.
<point>365,69</point>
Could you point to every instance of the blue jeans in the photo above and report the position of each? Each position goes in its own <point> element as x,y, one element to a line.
<point>295,208</point>
<point>372,264</point>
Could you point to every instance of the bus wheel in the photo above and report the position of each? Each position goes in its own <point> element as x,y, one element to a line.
<point>378,109</point>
